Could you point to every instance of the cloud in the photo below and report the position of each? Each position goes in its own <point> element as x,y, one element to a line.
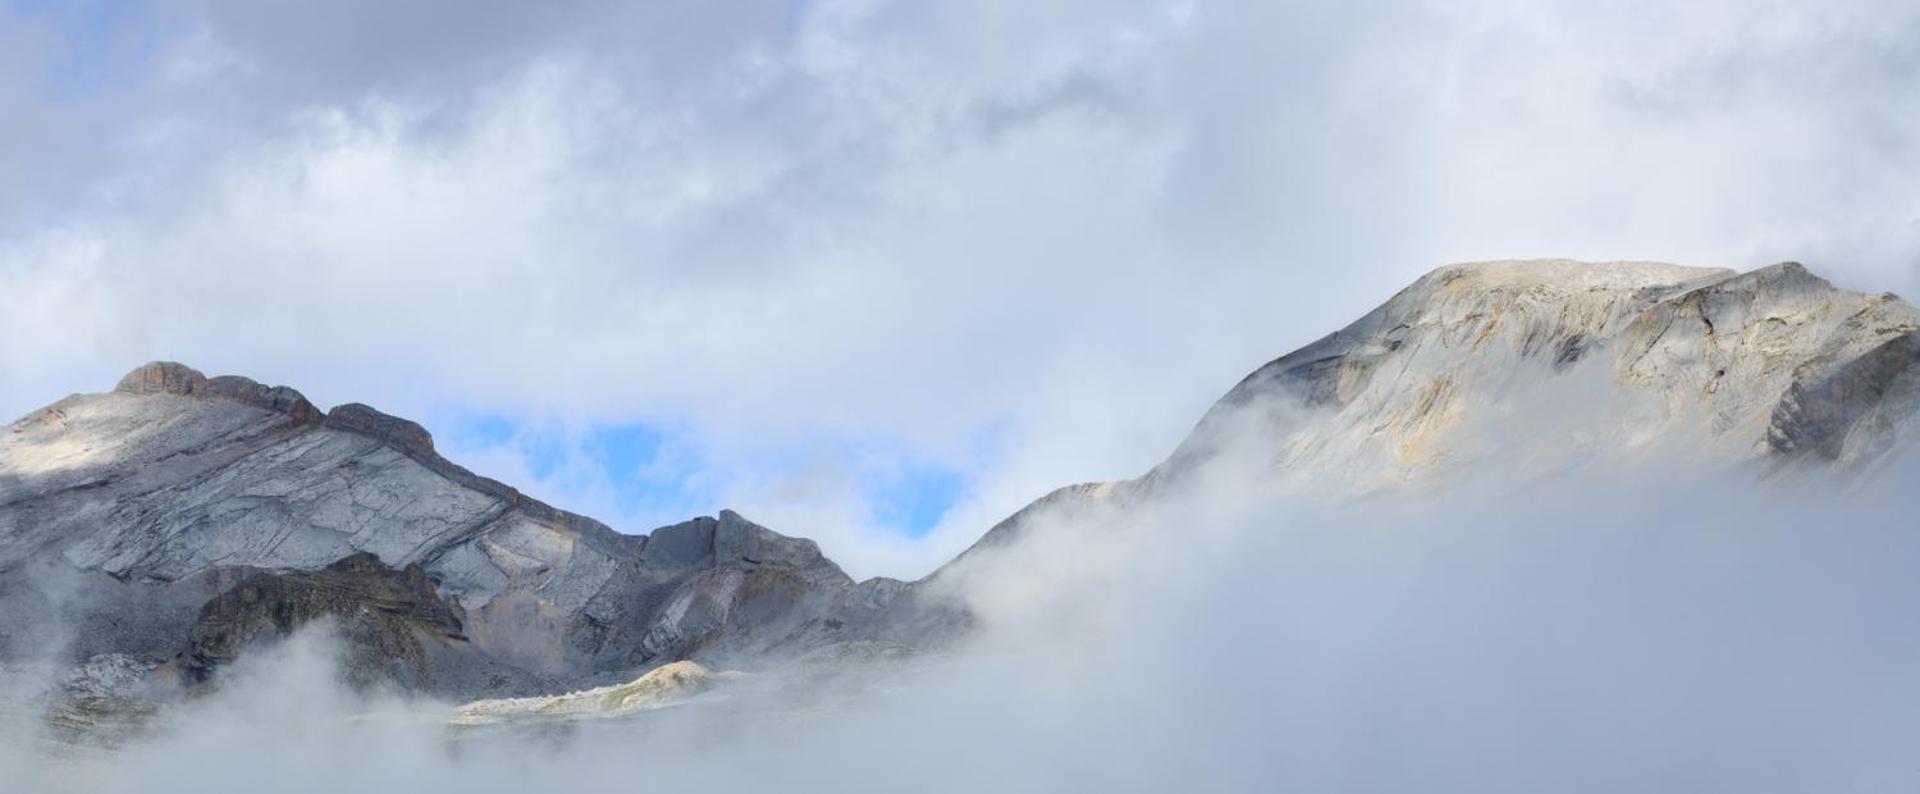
<point>817,235</point>
<point>1611,629</point>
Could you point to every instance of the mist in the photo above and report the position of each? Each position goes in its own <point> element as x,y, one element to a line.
<point>825,256</point>
<point>1612,629</point>
<point>814,243</point>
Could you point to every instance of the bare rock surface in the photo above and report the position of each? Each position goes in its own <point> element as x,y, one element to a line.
<point>395,627</point>
<point>173,487</point>
<point>1537,365</point>
<point>1660,353</point>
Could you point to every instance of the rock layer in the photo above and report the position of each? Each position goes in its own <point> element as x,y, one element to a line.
<point>1542,364</point>
<point>174,485</point>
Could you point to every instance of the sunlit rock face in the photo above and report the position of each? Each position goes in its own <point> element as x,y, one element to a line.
<point>1592,359</point>
<point>661,687</point>
<point>146,502</point>
<point>1531,367</point>
<point>1610,360</point>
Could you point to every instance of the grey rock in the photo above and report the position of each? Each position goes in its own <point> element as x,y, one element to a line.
<point>174,487</point>
<point>395,627</point>
<point>1855,411</point>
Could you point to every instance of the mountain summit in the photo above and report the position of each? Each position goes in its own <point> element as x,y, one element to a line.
<point>1775,362</point>
<point>1541,365</point>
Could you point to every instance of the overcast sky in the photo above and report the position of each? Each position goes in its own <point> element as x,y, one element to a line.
<point>879,272</point>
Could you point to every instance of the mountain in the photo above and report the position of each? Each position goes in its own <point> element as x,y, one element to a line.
<point>178,519</point>
<point>152,510</point>
<point>1540,365</point>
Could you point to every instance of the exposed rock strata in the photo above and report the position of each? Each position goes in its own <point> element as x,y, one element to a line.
<point>174,485</point>
<point>1540,364</point>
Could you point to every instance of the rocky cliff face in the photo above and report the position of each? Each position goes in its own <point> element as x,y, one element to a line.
<point>1543,364</point>
<point>173,486</point>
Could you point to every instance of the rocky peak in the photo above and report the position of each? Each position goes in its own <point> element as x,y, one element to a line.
<point>175,486</point>
<point>398,433</point>
<point>730,539</point>
<point>1703,354</point>
<point>163,377</point>
<point>1607,360</point>
<point>172,377</point>
<point>175,378</point>
<point>403,434</point>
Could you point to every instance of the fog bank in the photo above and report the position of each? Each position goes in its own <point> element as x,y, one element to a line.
<point>1608,632</point>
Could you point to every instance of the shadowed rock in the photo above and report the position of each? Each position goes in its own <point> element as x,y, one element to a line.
<point>395,627</point>
<point>1854,411</point>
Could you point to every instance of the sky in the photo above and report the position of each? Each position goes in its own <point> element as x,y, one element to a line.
<point>879,273</point>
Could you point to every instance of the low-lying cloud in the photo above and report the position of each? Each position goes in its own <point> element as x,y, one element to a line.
<point>1605,630</point>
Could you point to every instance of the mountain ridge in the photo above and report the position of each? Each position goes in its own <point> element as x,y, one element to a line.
<point>174,483</point>
<point>175,488</point>
<point>1772,365</point>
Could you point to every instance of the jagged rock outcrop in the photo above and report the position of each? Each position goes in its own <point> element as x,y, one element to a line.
<point>1855,411</point>
<point>1540,364</point>
<point>173,487</point>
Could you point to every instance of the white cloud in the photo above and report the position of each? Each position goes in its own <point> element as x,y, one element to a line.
<point>1068,226</point>
<point>1600,633</point>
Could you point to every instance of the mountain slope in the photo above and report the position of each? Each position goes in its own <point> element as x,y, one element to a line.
<point>178,517</point>
<point>1539,365</point>
<point>171,486</point>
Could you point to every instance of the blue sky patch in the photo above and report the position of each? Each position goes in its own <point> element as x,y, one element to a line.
<point>629,468</point>
<point>913,501</point>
